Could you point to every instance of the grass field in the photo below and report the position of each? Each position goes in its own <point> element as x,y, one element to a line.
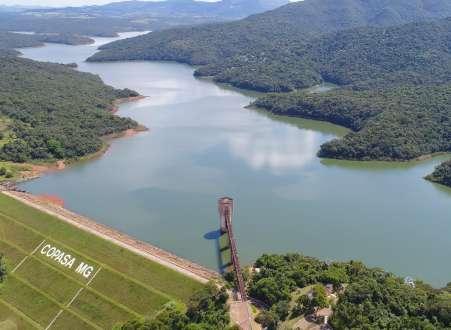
<point>42,293</point>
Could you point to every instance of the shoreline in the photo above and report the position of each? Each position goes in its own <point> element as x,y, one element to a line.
<point>36,170</point>
<point>420,158</point>
<point>115,106</point>
<point>146,250</point>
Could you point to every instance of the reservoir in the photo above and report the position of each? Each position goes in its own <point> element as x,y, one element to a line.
<point>162,186</point>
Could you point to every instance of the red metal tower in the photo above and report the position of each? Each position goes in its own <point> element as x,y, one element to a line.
<point>225,206</point>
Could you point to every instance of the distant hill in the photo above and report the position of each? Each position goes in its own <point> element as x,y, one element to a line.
<point>108,20</point>
<point>271,51</point>
<point>225,9</point>
<point>10,41</point>
<point>277,60</point>
<point>98,26</point>
<point>15,9</point>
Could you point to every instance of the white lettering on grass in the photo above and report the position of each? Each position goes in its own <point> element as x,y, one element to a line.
<point>66,260</point>
<point>58,256</point>
<point>84,269</point>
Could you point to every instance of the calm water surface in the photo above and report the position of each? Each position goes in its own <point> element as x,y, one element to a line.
<point>161,186</point>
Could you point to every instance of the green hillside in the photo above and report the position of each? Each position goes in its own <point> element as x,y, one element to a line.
<point>281,50</point>
<point>41,292</point>
<point>54,112</point>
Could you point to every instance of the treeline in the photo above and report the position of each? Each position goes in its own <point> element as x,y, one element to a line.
<point>206,310</point>
<point>397,124</point>
<point>9,40</point>
<point>442,174</point>
<point>368,298</point>
<point>54,111</point>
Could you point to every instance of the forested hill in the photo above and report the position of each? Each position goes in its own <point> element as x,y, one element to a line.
<point>224,9</point>
<point>108,20</point>
<point>54,112</point>
<point>280,50</point>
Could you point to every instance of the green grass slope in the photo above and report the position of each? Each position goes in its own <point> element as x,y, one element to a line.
<point>127,286</point>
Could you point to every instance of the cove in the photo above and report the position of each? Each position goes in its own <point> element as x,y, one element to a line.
<point>162,186</point>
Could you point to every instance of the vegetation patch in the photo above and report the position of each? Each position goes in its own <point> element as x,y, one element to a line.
<point>207,309</point>
<point>442,174</point>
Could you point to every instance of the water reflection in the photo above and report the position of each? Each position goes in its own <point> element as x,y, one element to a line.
<point>277,150</point>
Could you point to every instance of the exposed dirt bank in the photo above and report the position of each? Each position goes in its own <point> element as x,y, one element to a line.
<point>116,104</point>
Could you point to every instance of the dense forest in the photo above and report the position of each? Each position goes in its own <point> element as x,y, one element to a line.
<point>442,174</point>
<point>286,48</point>
<point>54,112</point>
<point>396,124</point>
<point>367,298</point>
<point>363,58</point>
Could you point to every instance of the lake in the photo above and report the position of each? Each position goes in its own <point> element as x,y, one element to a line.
<point>162,186</point>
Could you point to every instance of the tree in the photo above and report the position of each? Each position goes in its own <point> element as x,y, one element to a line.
<point>316,299</point>
<point>3,269</point>
<point>281,309</point>
<point>208,305</point>
<point>267,319</point>
<point>207,310</point>
<point>269,290</point>
<point>335,275</point>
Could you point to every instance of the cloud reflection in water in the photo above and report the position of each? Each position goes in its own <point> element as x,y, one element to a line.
<point>276,150</point>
